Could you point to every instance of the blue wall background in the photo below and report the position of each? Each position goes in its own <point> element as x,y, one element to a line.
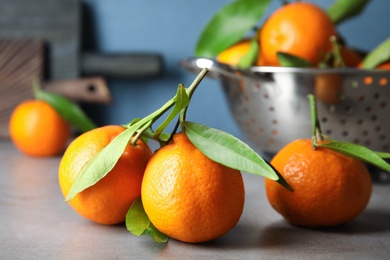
<point>171,28</point>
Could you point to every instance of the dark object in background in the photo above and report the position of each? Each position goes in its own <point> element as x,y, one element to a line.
<point>50,33</point>
<point>60,24</point>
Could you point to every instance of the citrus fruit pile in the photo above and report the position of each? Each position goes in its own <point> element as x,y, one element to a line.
<point>297,34</point>
<point>191,189</point>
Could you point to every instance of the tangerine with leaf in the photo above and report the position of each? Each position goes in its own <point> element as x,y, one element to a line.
<point>193,189</point>
<point>236,54</point>
<point>330,188</point>
<point>107,201</point>
<point>42,126</point>
<point>189,197</point>
<point>331,184</point>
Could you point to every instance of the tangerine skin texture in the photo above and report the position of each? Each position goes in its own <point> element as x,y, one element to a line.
<point>190,197</point>
<point>108,201</point>
<point>36,129</point>
<point>330,189</point>
<point>298,28</point>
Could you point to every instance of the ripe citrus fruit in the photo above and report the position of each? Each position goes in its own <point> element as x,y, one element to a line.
<point>36,129</point>
<point>330,189</point>
<point>299,28</point>
<point>108,201</point>
<point>189,197</point>
<point>384,66</point>
<point>234,53</point>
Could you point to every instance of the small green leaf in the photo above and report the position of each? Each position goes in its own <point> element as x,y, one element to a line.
<point>228,150</point>
<point>357,151</point>
<point>341,10</point>
<point>102,163</point>
<point>229,25</point>
<point>250,57</point>
<point>181,101</point>
<point>138,223</point>
<point>289,60</point>
<point>68,110</point>
<point>377,56</point>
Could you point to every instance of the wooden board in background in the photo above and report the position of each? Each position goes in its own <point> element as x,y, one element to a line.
<point>56,22</point>
<point>20,61</point>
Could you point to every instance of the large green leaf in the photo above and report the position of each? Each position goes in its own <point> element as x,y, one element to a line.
<point>228,150</point>
<point>229,25</point>
<point>342,10</point>
<point>360,152</point>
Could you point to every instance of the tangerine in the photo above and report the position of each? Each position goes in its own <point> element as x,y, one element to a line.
<point>234,53</point>
<point>384,65</point>
<point>330,188</point>
<point>36,129</point>
<point>108,201</point>
<point>189,197</point>
<point>301,29</point>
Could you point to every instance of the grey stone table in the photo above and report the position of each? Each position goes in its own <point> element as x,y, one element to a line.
<point>37,224</point>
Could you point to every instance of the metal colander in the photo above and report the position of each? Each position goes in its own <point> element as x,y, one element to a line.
<point>271,107</point>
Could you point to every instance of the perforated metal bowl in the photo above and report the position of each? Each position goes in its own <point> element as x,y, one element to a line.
<point>271,107</point>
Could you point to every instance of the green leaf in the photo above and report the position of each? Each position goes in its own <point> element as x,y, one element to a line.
<point>133,122</point>
<point>357,151</point>
<point>102,163</point>
<point>377,56</point>
<point>229,25</point>
<point>105,160</point>
<point>138,223</point>
<point>181,101</point>
<point>341,10</point>
<point>383,155</point>
<point>289,60</point>
<point>250,57</point>
<point>228,150</point>
<point>68,110</point>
